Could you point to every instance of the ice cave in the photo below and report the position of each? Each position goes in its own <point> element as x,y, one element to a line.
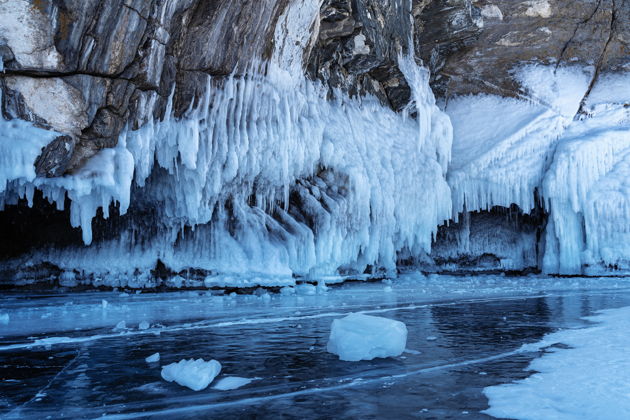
<point>314,209</point>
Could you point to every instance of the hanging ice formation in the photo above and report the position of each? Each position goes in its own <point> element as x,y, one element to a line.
<point>507,150</point>
<point>587,187</point>
<point>267,175</point>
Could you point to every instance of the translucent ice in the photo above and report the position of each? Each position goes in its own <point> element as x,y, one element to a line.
<point>364,337</point>
<point>155,357</point>
<point>194,374</point>
<point>231,382</point>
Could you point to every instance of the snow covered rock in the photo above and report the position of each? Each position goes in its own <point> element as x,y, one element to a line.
<point>364,337</point>
<point>194,374</point>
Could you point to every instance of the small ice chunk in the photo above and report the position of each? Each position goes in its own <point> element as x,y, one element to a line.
<point>155,357</point>
<point>387,289</point>
<point>306,289</point>
<point>144,325</point>
<point>104,303</point>
<point>122,325</point>
<point>194,374</point>
<point>431,338</point>
<point>287,291</point>
<point>364,337</point>
<point>4,319</point>
<point>231,382</point>
<point>68,279</point>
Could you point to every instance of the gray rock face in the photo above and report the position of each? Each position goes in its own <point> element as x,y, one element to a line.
<point>55,157</point>
<point>471,46</point>
<point>358,46</point>
<point>91,67</point>
<point>87,68</point>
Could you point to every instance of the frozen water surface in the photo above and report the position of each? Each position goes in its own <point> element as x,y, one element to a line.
<point>60,356</point>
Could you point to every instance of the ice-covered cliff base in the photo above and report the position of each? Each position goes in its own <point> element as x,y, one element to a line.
<point>268,178</point>
<point>267,174</point>
<point>560,153</point>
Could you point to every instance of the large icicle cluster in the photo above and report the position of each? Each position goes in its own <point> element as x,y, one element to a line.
<point>270,175</point>
<point>501,146</point>
<point>513,151</point>
<point>267,174</point>
<point>587,188</point>
<point>287,181</point>
<point>20,145</point>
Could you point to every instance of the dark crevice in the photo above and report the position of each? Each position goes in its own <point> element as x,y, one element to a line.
<point>575,31</point>
<point>581,111</point>
<point>137,11</point>
<point>54,74</point>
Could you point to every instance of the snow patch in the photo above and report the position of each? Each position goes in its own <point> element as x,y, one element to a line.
<point>538,8</point>
<point>586,381</point>
<point>491,11</point>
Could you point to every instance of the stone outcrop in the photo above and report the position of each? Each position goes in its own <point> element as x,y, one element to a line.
<point>471,46</point>
<point>89,68</point>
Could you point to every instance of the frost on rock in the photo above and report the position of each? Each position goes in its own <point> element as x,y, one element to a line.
<point>364,337</point>
<point>194,374</point>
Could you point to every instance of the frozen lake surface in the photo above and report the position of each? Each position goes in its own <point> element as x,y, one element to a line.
<point>69,355</point>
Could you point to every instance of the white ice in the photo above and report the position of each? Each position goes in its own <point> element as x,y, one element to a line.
<point>507,150</point>
<point>20,144</point>
<point>589,380</point>
<point>587,189</point>
<point>365,337</point>
<point>194,374</point>
<point>155,357</point>
<point>231,382</point>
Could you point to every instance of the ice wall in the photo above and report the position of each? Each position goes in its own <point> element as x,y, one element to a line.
<point>274,176</point>
<point>516,150</point>
<point>267,174</point>
<point>587,187</point>
<point>502,146</point>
